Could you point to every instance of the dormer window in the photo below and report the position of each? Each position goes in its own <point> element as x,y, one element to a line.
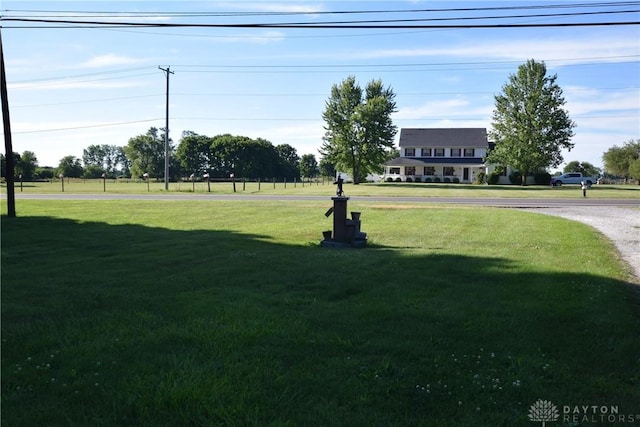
<point>456,152</point>
<point>438,152</point>
<point>426,152</point>
<point>410,152</point>
<point>469,152</point>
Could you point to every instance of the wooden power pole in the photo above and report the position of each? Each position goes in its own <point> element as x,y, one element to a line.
<point>8,145</point>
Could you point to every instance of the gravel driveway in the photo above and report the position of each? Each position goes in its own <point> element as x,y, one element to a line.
<point>621,225</point>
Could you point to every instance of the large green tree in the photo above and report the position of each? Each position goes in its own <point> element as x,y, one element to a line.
<point>26,165</point>
<point>194,153</point>
<point>585,168</point>
<point>309,165</point>
<point>618,160</point>
<point>288,161</point>
<point>529,127</point>
<point>359,131</point>
<point>243,156</point>
<point>70,167</point>
<point>146,153</point>
<point>107,158</point>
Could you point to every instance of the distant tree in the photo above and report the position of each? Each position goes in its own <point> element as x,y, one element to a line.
<point>3,164</point>
<point>634,170</point>
<point>618,160</point>
<point>70,167</point>
<point>585,168</point>
<point>530,127</point>
<point>308,165</point>
<point>288,161</point>
<point>26,165</point>
<point>45,172</point>
<point>358,125</point>
<point>194,153</point>
<point>108,158</point>
<point>327,168</point>
<point>243,156</point>
<point>146,153</point>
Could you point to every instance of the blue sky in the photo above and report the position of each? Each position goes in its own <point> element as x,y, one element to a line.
<point>71,87</point>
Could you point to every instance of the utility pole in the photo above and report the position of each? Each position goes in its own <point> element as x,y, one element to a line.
<point>167,71</point>
<point>8,144</point>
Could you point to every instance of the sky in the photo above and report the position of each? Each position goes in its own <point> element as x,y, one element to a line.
<point>71,87</point>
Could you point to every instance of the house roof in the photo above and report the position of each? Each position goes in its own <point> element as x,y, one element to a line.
<point>435,161</point>
<point>444,137</point>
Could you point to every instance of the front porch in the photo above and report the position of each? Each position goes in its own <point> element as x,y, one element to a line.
<point>447,174</point>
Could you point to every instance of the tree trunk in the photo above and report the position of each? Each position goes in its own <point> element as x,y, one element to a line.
<point>524,178</point>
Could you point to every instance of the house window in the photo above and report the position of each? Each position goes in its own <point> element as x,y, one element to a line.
<point>410,170</point>
<point>438,152</point>
<point>394,171</point>
<point>469,152</point>
<point>456,152</point>
<point>410,152</point>
<point>448,171</point>
<point>426,152</point>
<point>429,170</point>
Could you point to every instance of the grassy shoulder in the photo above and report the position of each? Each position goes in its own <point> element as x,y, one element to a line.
<point>80,186</point>
<point>212,313</point>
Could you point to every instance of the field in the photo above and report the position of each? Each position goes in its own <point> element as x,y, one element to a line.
<point>211,313</point>
<point>324,187</point>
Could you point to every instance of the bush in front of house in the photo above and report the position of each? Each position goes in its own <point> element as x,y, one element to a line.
<point>409,179</point>
<point>493,178</point>
<point>542,178</point>
<point>398,179</point>
<point>515,177</point>
<point>428,179</point>
<point>389,179</point>
<point>437,179</point>
<point>480,178</point>
<point>456,180</point>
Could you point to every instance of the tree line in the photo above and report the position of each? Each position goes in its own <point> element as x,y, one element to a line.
<point>195,155</point>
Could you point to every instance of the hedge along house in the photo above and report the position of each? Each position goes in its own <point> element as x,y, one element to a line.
<point>439,155</point>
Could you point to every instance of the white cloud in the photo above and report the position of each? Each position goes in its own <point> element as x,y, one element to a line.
<point>555,50</point>
<point>285,7</point>
<point>110,60</point>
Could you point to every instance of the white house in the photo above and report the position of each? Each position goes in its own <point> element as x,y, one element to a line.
<point>439,155</point>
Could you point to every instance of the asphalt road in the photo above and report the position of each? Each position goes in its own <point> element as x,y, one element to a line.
<point>498,202</point>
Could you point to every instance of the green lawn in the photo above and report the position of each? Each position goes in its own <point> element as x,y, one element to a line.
<point>186,313</point>
<point>325,187</point>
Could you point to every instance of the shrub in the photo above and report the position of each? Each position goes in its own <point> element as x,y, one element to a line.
<point>389,179</point>
<point>436,179</point>
<point>542,178</point>
<point>481,178</point>
<point>409,179</point>
<point>428,179</point>
<point>447,179</point>
<point>493,178</point>
<point>456,180</point>
<point>515,177</point>
<point>398,179</point>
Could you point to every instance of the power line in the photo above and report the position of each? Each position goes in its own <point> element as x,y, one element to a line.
<point>87,126</point>
<point>77,13</point>
<point>76,24</point>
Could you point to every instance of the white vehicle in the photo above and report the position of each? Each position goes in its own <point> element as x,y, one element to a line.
<point>573,178</point>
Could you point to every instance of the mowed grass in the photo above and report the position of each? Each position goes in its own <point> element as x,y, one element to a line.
<point>186,313</point>
<point>324,188</point>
